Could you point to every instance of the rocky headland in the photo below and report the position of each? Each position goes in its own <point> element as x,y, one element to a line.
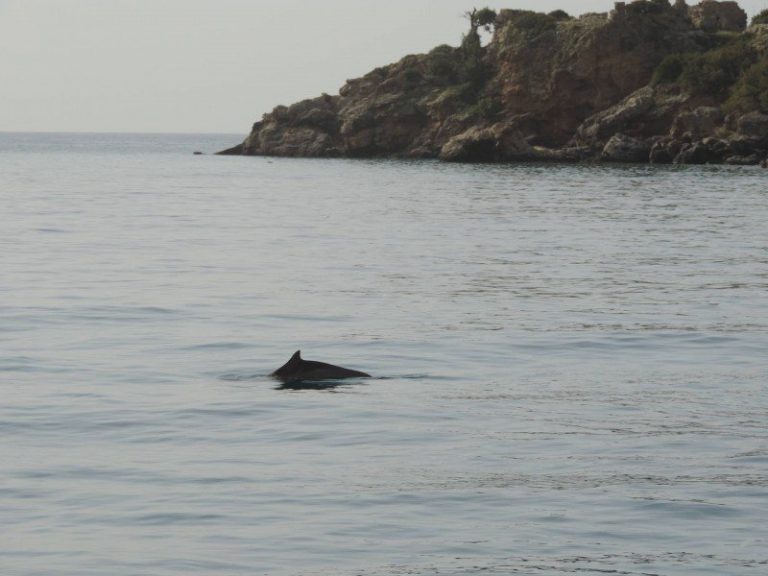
<point>650,81</point>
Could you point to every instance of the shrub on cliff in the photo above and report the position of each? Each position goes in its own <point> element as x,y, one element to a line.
<point>442,63</point>
<point>708,73</point>
<point>485,108</point>
<point>464,65</point>
<point>524,26</point>
<point>761,18</point>
<point>534,23</point>
<point>669,69</point>
<point>559,15</point>
<point>751,91</point>
<point>715,71</point>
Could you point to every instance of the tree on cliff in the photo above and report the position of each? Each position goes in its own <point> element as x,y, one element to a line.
<point>484,18</point>
<point>472,68</point>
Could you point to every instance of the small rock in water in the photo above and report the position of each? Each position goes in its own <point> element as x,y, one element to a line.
<point>198,153</point>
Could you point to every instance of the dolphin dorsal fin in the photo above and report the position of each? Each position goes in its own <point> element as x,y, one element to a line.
<point>295,360</point>
<point>293,364</point>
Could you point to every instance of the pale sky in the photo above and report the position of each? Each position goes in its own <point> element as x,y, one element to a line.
<point>209,65</point>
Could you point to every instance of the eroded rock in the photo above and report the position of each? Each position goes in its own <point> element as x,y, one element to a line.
<point>623,148</point>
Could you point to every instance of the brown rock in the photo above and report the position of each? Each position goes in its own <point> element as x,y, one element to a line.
<point>754,126</point>
<point>598,127</point>
<point>623,148</point>
<point>750,160</point>
<point>570,70</point>
<point>495,143</point>
<point>707,151</point>
<point>474,145</point>
<point>698,123</point>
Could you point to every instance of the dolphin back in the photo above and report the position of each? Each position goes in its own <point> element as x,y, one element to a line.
<point>297,369</point>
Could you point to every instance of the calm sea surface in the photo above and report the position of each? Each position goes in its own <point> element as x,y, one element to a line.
<point>571,365</point>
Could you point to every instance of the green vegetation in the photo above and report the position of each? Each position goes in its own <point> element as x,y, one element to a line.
<point>441,63</point>
<point>669,70</point>
<point>412,75</point>
<point>465,70</point>
<point>523,27</point>
<point>715,71</point>
<point>484,109</point>
<point>712,72</point>
<point>751,91</point>
<point>463,65</point>
<point>731,70</point>
<point>531,24</point>
<point>483,18</point>
<point>559,15</point>
<point>761,18</point>
<point>471,67</point>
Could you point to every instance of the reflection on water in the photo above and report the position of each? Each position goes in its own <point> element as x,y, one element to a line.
<point>570,364</point>
<point>318,385</point>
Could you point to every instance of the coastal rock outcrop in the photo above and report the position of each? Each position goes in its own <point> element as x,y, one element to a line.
<point>623,148</point>
<point>647,82</point>
<point>501,141</point>
<point>754,126</point>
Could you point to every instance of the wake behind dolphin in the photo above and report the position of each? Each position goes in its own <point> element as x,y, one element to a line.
<point>299,370</point>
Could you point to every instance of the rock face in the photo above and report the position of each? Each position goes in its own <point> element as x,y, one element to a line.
<point>754,126</point>
<point>622,148</point>
<point>547,87</point>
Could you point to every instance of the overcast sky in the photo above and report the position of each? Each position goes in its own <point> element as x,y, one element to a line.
<point>208,65</point>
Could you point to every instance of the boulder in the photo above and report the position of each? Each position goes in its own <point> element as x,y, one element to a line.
<point>501,141</point>
<point>511,144</point>
<point>475,145</point>
<point>750,160</point>
<point>623,148</point>
<point>601,126</point>
<point>692,154</point>
<point>754,126</point>
<point>743,146</point>
<point>567,154</point>
<point>664,150</point>
<point>707,151</point>
<point>698,123</point>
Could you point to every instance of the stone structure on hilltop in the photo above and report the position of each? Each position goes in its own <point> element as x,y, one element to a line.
<point>709,15</point>
<point>712,16</point>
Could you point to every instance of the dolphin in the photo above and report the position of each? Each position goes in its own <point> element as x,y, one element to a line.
<point>298,370</point>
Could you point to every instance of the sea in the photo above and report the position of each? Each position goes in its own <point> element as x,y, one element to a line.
<point>569,364</point>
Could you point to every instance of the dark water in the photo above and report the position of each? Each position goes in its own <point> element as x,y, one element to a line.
<point>570,365</point>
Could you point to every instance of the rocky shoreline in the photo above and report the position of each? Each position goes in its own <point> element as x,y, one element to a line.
<point>648,82</point>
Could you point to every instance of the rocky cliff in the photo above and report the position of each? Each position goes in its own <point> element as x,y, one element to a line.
<point>650,81</point>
